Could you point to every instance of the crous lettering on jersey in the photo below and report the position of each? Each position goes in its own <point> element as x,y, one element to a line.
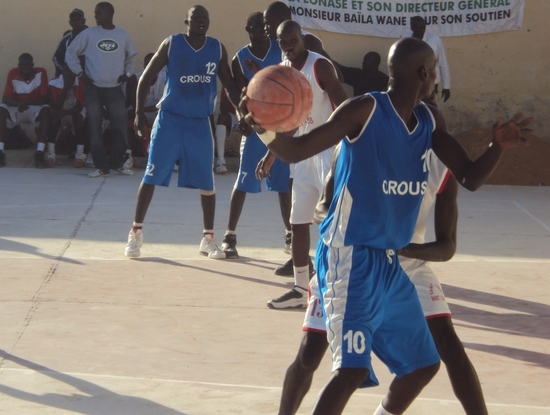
<point>107,45</point>
<point>413,188</point>
<point>196,79</point>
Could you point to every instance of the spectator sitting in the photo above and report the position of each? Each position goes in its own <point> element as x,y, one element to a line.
<point>368,78</point>
<point>67,109</point>
<point>25,100</point>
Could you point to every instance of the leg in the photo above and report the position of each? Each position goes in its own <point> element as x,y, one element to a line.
<point>95,120</point>
<point>285,205</point>
<point>222,127</point>
<point>300,253</point>
<point>208,204</point>
<point>4,116</point>
<point>339,389</point>
<point>461,372</point>
<point>405,389</point>
<point>43,120</point>
<point>299,374</point>
<point>114,101</point>
<point>236,204</point>
<point>145,195</point>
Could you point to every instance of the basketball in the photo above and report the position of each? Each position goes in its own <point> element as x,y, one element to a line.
<point>279,98</point>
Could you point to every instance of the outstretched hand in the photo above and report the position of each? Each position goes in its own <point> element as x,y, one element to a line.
<point>509,134</point>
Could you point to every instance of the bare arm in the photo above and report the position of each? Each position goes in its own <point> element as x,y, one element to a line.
<point>445,219</point>
<point>313,44</point>
<point>329,82</point>
<point>472,174</point>
<point>224,73</point>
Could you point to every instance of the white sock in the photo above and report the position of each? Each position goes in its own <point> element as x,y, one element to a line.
<point>381,411</point>
<point>1,146</point>
<point>51,147</point>
<point>80,148</point>
<point>301,277</point>
<point>221,131</point>
<point>40,146</point>
<point>129,152</point>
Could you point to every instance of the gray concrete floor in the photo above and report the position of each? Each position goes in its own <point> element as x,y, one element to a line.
<point>85,330</point>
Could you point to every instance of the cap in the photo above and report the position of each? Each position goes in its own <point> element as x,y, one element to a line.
<point>76,11</point>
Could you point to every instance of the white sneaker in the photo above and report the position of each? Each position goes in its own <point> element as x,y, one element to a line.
<point>295,298</point>
<point>128,161</point>
<point>135,240</point>
<point>89,161</point>
<point>50,159</point>
<point>79,160</point>
<point>209,248</point>
<point>221,168</point>
<point>124,171</point>
<point>97,173</point>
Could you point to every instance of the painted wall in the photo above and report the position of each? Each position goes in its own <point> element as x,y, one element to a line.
<point>492,75</point>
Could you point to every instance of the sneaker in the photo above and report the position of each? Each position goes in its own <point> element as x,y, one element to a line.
<point>287,269</point>
<point>128,161</point>
<point>124,171</point>
<point>229,246</point>
<point>2,159</point>
<point>89,161</point>
<point>295,298</point>
<point>288,244</point>
<point>79,160</point>
<point>39,160</point>
<point>221,168</point>
<point>209,248</point>
<point>135,240</point>
<point>50,159</point>
<point>97,173</point>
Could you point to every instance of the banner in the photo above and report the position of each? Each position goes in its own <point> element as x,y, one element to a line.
<point>391,18</point>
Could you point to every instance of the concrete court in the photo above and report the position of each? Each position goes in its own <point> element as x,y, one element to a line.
<point>84,330</point>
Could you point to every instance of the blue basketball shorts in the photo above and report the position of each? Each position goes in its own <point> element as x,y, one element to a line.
<point>252,151</point>
<point>371,306</point>
<point>190,142</point>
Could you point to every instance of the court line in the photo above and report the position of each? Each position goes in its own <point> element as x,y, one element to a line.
<point>532,216</point>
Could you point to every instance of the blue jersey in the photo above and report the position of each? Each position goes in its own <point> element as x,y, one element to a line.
<point>379,181</point>
<point>191,77</point>
<point>272,57</point>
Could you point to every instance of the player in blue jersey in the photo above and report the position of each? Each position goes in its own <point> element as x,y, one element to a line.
<point>369,302</point>
<point>262,52</point>
<point>182,131</point>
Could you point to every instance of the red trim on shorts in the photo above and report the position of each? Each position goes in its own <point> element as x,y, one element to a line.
<point>444,182</point>
<point>314,330</point>
<point>438,316</point>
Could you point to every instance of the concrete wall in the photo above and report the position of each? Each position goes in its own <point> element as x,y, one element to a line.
<point>492,75</point>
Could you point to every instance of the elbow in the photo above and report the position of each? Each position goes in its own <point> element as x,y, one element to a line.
<point>448,252</point>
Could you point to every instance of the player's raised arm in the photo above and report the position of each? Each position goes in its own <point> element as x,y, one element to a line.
<point>472,174</point>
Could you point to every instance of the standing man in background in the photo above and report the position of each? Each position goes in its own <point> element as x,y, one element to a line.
<point>110,57</point>
<point>418,27</point>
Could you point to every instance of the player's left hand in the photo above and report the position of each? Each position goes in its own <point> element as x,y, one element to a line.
<point>509,134</point>
<point>445,94</point>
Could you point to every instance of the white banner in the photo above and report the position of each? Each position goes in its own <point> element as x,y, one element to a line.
<point>391,18</point>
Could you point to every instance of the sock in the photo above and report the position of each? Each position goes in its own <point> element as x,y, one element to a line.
<point>381,411</point>
<point>40,146</point>
<point>221,131</point>
<point>288,232</point>
<point>51,147</point>
<point>301,277</point>
<point>208,232</point>
<point>136,226</point>
<point>129,152</point>
<point>80,148</point>
<point>1,146</point>
<point>228,232</point>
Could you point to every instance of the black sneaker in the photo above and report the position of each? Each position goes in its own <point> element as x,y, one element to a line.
<point>287,269</point>
<point>2,159</point>
<point>295,298</point>
<point>288,244</point>
<point>39,162</point>
<point>229,246</point>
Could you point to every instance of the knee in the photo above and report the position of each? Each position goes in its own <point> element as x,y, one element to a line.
<point>351,378</point>
<point>450,348</point>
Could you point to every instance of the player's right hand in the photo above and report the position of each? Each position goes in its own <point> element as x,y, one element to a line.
<point>139,121</point>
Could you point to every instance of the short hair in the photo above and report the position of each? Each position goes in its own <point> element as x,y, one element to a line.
<point>254,16</point>
<point>25,57</point>
<point>280,9</point>
<point>107,6</point>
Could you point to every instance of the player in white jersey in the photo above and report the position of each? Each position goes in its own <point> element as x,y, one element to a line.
<point>309,175</point>
<point>441,191</point>
<point>372,289</point>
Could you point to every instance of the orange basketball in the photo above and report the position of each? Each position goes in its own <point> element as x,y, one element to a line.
<point>279,98</point>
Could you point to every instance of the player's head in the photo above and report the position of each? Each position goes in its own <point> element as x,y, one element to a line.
<point>255,27</point>
<point>198,20</point>
<point>411,65</point>
<point>147,59</point>
<point>371,62</point>
<point>104,13</point>
<point>276,13</point>
<point>291,41</point>
<point>418,26</point>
